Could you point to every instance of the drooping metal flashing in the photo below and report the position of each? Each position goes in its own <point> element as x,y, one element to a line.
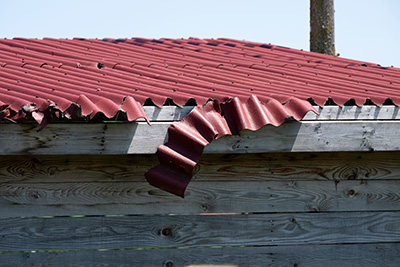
<point>187,138</point>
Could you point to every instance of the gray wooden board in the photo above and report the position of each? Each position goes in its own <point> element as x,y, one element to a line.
<point>342,255</point>
<point>140,138</point>
<point>212,167</point>
<point>313,137</point>
<point>366,112</point>
<point>67,233</point>
<point>102,198</point>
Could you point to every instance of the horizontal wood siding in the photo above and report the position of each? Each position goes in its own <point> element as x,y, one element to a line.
<point>296,182</point>
<point>296,209</point>
<point>344,255</point>
<point>170,231</point>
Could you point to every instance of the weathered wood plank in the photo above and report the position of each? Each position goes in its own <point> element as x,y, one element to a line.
<point>313,136</point>
<point>140,138</point>
<point>75,168</point>
<point>366,112</point>
<point>83,138</point>
<point>379,254</point>
<point>354,113</point>
<point>300,166</point>
<point>166,113</point>
<point>67,233</point>
<point>215,167</point>
<point>100,198</point>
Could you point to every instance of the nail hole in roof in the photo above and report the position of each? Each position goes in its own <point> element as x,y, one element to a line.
<point>193,43</point>
<point>213,44</point>
<point>229,44</point>
<point>257,56</point>
<point>100,65</point>
<point>247,45</point>
<point>176,42</point>
<point>364,65</point>
<point>157,41</point>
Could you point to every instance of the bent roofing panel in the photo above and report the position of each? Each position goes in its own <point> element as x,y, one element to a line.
<point>252,84</point>
<point>187,138</point>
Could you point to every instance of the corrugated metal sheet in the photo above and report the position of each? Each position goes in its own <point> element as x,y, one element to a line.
<point>251,85</point>
<point>112,75</point>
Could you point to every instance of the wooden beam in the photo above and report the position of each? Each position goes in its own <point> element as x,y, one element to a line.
<point>366,112</point>
<point>172,231</point>
<point>313,136</point>
<point>101,198</point>
<point>344,255</point>
<point>288,167</point>
<point>140,138</point>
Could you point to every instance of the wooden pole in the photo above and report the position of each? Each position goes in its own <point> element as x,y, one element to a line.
<point>322,20</point>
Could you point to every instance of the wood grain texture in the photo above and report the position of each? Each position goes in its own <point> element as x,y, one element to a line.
<point>65,199</point>
<point>295,182</point>
<point>66,233</point>
<point>365,112</point>
<point>213,167</point>
<point>300,166</point>
<point>311,136</point>
<point>344,255</point>
<point>140,138</point>
<point>75,168</point>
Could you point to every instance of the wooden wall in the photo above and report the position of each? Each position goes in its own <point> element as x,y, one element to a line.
<point>285,209</point>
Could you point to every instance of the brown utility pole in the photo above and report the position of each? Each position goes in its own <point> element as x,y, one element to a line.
<point>322,22</point>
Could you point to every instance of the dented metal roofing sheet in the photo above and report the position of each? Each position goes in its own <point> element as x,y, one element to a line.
<point>187,138</point>
<point>88,76</point>
<point>249,85</point>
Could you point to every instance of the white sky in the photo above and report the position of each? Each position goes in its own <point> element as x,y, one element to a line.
<point>366,30</point>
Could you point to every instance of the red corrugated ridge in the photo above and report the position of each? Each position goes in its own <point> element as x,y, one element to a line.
<point>112,75</point>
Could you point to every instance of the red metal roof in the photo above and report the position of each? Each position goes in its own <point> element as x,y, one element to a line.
<point>112,75</point>
<point>251,85</point>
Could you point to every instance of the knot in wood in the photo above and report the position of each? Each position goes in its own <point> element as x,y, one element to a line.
<point>166,231</point>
